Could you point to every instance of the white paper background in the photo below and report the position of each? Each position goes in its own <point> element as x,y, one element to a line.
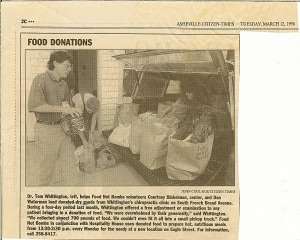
<point>269,136</point>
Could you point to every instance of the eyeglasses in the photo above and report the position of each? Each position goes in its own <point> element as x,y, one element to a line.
<point>68,66</point>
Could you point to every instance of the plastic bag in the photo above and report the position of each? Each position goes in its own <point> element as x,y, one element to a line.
<point>218,118</point>
<point>94,155</point>
<point>85,155</point>
<point>138,127</point>
<point>164,108</point>
<point>183,132</point>
<point>154,146</point>
<point>187,161</point>
<point>202,130</point>
<point>179,110</point>
<point>105,159</point>
<point>124,114</point>
<point>65,124</point>
<point>96,138</point>
<point>170,121</point>
<point>120,135</point>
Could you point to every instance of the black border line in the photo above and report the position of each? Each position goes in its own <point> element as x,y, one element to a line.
<point>96,50</point>
<point>254,1</point>
<point>126,33</point>
<point>20,197</point>
<point>103,49</point>
<point>21,134</point>
<point>1,171</point>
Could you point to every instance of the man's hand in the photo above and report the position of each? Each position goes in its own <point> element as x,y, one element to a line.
<point>72,111</point>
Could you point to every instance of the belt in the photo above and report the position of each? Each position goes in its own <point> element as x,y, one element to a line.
<point>49,122</point>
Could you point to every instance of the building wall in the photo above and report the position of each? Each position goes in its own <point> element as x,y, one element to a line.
<point>86,70</point>
<point>110,85</point>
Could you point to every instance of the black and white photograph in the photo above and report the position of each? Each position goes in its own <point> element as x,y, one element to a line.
<point>130,117</point>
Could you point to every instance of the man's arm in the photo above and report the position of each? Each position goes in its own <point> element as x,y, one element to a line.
<point>37,102</point>
<point>46,108</point>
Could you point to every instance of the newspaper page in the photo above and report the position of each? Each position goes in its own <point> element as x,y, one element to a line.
<point>119,119</point>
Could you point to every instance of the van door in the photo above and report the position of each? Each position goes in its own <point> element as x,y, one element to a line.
<point>227,79</point>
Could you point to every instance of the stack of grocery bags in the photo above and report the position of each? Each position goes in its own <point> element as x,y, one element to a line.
<point>177,137</point>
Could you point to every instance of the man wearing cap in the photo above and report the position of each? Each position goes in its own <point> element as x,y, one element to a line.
<point>48,93</point>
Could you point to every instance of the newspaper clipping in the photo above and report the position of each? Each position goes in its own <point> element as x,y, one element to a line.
<point>122,118</point>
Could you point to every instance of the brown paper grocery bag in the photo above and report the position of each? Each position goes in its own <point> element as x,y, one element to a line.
<point>187,161</point>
